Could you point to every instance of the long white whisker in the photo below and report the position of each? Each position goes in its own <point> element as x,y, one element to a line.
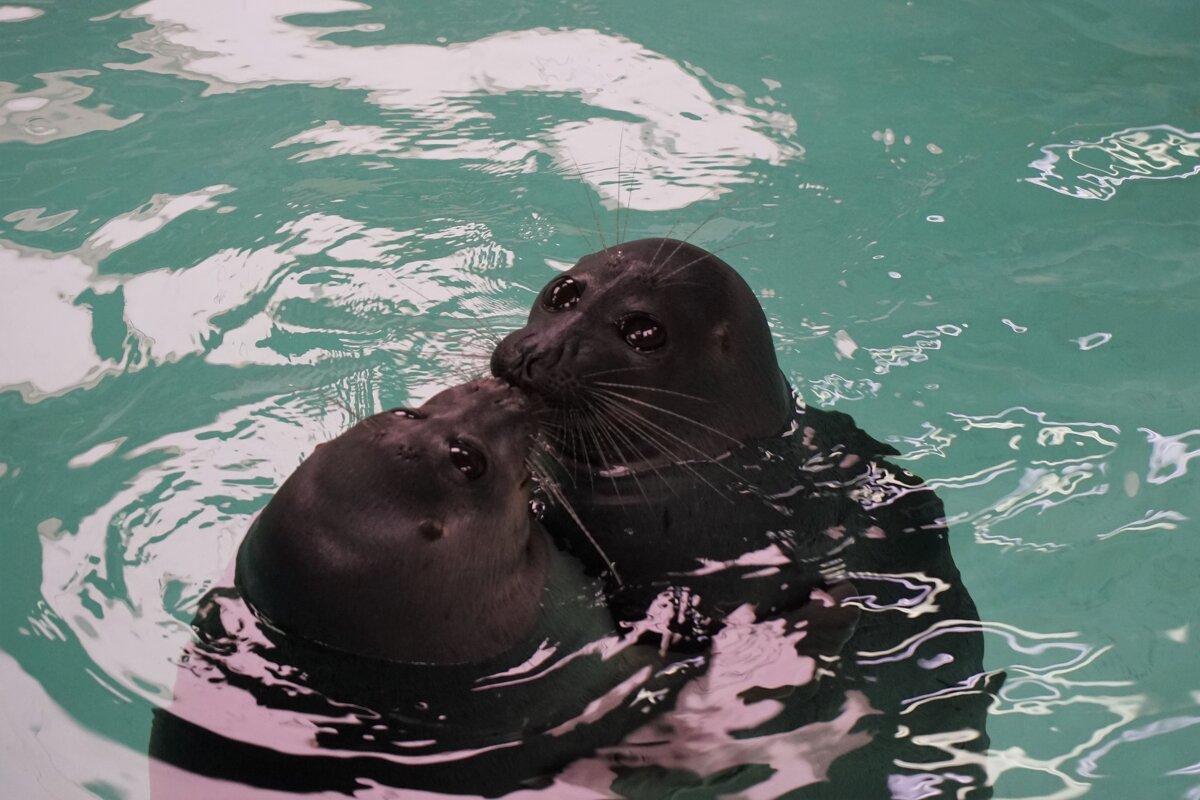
<point>615,424</point>
<point>653,389</point>
<point>610,371</point>
<point>620,152</point>
<point>640,424</point>
<point>708,253</point>
<point>591,205</point>
<point>668,412</point>
<point>631,413</point>
<point>558,497</point>
<point>606,427</point>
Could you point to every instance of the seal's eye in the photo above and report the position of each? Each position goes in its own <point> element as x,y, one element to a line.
<point>642,332</point>
<point>407,413</point>
<point>562,294</point>
<point>467,460</point>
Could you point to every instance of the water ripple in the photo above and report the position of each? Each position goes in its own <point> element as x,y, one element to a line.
<point>1095,170</point>
<point>684,143</point>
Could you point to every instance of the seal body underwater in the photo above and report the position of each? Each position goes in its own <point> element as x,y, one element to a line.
<point>399,615</point>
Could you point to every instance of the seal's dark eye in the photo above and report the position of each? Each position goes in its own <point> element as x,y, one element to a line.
<point>642,332</point>
<point>467,460</point>
<point>562,294</point>
<point>407,413</point>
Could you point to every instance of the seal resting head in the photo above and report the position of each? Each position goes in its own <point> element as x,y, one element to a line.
<point>409,537</point>
<point>661,340</point>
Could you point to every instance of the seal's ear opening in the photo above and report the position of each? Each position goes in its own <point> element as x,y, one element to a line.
<point>431,530</point>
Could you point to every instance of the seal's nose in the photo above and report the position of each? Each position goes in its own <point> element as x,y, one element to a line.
<point>507,359</point>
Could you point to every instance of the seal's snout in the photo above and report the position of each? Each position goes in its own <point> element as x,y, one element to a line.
<point>507,358</point>
<point>543,370</point>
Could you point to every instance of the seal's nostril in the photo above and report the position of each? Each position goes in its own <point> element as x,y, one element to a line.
<point>525,368</point>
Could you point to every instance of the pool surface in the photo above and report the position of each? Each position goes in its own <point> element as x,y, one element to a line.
<point>229,229</point>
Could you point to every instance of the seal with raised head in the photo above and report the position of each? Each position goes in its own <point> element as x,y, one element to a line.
<point>409,537</point>
<point>679,442</point>
<point>399,614</point>
<point>681,449</point>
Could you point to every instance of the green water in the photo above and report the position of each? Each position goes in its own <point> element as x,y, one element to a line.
<point>224,231</point>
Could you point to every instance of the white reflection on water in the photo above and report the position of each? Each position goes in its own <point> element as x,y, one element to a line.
<point>684,143</point>
<point>176,525</point>
<point>1170,455</point>
<point>53,111</point>
<point>1053,462</point>
<point>1095,170</point>
<point>357,299</point>
<point>38,734</point>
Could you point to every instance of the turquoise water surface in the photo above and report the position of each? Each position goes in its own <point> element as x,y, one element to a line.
<point>227,229</point>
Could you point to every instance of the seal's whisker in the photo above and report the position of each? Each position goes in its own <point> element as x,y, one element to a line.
<point>606,463</point>
<point>620,152</point>
<point>685,240</point>
<point>653,389</point>
<point>674,224</point>
<point>546,449</point>
<point>483,342</point>
<point>702,456</point>
<point>612,422</point>
<point>637,424</point>
<point>719,209</point>
<point>606,426</point>
<point>354,415</point>
<point>629,197</point>
<point>653,433</point>
<point>578,419</point>
<point>556,494</point>
<point>590,375</point>
<point>666,278</point>
<point>668,412</point>
<point>588,194</point>
<point>618,415</point>
<point>629,416</point>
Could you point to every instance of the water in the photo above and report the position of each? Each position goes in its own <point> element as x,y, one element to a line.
<point>228,227</point>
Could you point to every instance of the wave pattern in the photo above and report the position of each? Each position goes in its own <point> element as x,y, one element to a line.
<point>1095,170</point>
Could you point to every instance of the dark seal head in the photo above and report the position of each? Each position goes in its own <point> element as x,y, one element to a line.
<point>662,338</point>
<point>409,537</point>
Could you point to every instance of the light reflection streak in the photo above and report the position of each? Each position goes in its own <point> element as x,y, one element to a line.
<point>920,599</point>
<point>1095,170</point>
<point>172,313</point>
<point>1089,764</point>
<point>1056,689</point>
<point>689,145</point>
<point>1151,520</point>
<point>1064,462</point>
<point>1169,452</point>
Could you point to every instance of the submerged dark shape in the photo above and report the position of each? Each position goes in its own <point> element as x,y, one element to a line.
<point>681,449</point>
<point>399,616</point>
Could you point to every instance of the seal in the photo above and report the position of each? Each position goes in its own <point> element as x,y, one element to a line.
<point>678,444</point>
<point>658,367</point>
<point>398,613</point>
<point>409,537</point>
